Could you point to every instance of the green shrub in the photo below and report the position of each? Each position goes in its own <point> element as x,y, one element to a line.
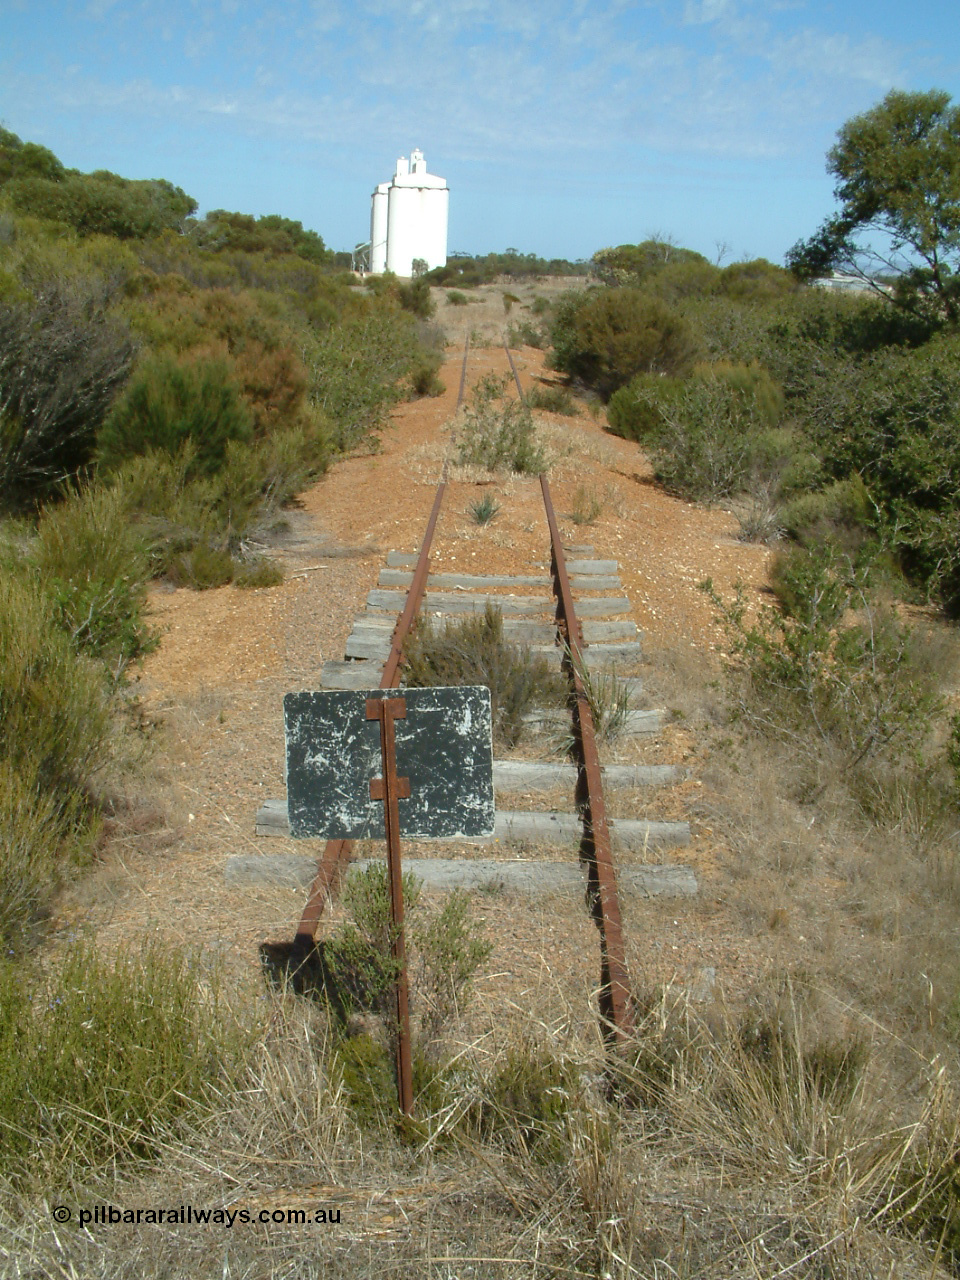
<point>55,713</point>
<point>485,510</point>
<point>841,513</point>
<point>444,951</point>
<point>642,410</point>
<point>102,1057</point>
<point>202,567</point>
<point>355,369</point>
<point>365,1067</point>
<point>523,333</point>
<point>474,652</point>
<point>416,298</point>
<point>448,953</point>
<point>605,337</point>
<point>757,281</point>
<point>713,435</point>
<point>497,432</point>
<point>525,1103</point>
<point>706,445</point>
<point>168,404</point>
<point>195,524</point>
<point>552,400</point>
<point>635,412</point>
<point>34,833</point>
<point>834,668</point>
<point>94,566</point>
<point>634,265</point>
<point>424,375</point>
<point>456,298</point>
<point>260,572</point>
<point>62,361</point>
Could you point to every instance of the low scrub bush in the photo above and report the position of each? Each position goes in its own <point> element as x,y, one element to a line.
<point>485,509</point>
<point>841,514</point>
<point>100,1059</point>
<point>62,361</point>
<point>35,831</point>
<point>497,432</point>
<point>55,712</point>
<point>552,400</point>
<point>474,652</point>
<point>603,338</point>
<point>425,375</point>
<point>168,404</point>
<point>524,333</point>
<point>635,412</point>
<point>94,565</point>
<point>356,368</point>
<point>525,1103</point>
<point>833,669</point>
<point>354,971</point>
<point>416,298</point>
<point>197,525</point>
<point>57,725</point>
<point>714,433</point>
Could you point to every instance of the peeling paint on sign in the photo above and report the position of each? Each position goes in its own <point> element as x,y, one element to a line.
<point>443,745</point>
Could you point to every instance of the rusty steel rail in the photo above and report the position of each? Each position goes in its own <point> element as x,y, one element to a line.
<point>513,370</point>
<point>463,372</point>
<point>595,848</point>
<point>337,853</point>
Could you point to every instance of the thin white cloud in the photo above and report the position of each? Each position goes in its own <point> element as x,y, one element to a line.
<point>599,83</point>
<point>819,54</point>
<point>699,12</point>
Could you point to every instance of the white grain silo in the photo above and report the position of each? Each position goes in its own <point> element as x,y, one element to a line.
<point>378,228</point>
<point>408,219</point>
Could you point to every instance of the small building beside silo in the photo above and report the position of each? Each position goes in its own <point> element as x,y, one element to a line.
<point>408,219</point>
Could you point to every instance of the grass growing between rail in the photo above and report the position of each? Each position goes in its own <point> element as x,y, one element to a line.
<point>474,651</point>
<point>770,1141</point>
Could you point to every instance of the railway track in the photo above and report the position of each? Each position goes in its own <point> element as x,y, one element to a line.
<point>542,610</point>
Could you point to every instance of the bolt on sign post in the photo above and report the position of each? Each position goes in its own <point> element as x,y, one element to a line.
<point>375,765</point>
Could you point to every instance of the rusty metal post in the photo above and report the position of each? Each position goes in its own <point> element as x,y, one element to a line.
<point>390,789</point>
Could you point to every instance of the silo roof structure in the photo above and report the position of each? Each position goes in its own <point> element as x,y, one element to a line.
<point>408,219</point>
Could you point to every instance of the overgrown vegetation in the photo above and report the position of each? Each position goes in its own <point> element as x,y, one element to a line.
<point>746,388</point>
<point>496,431</point>
<point>553,400</point>
<point>167,384</point>
<point>472,652</point>
<point>833,670</point>
<point>102,1059</point>
<point>810,1127</point>
<point>227,344</point>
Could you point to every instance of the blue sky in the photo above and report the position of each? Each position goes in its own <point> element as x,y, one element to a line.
<point>560,128</point>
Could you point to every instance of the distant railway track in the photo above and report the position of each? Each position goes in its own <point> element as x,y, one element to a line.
<point>372,643</point>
